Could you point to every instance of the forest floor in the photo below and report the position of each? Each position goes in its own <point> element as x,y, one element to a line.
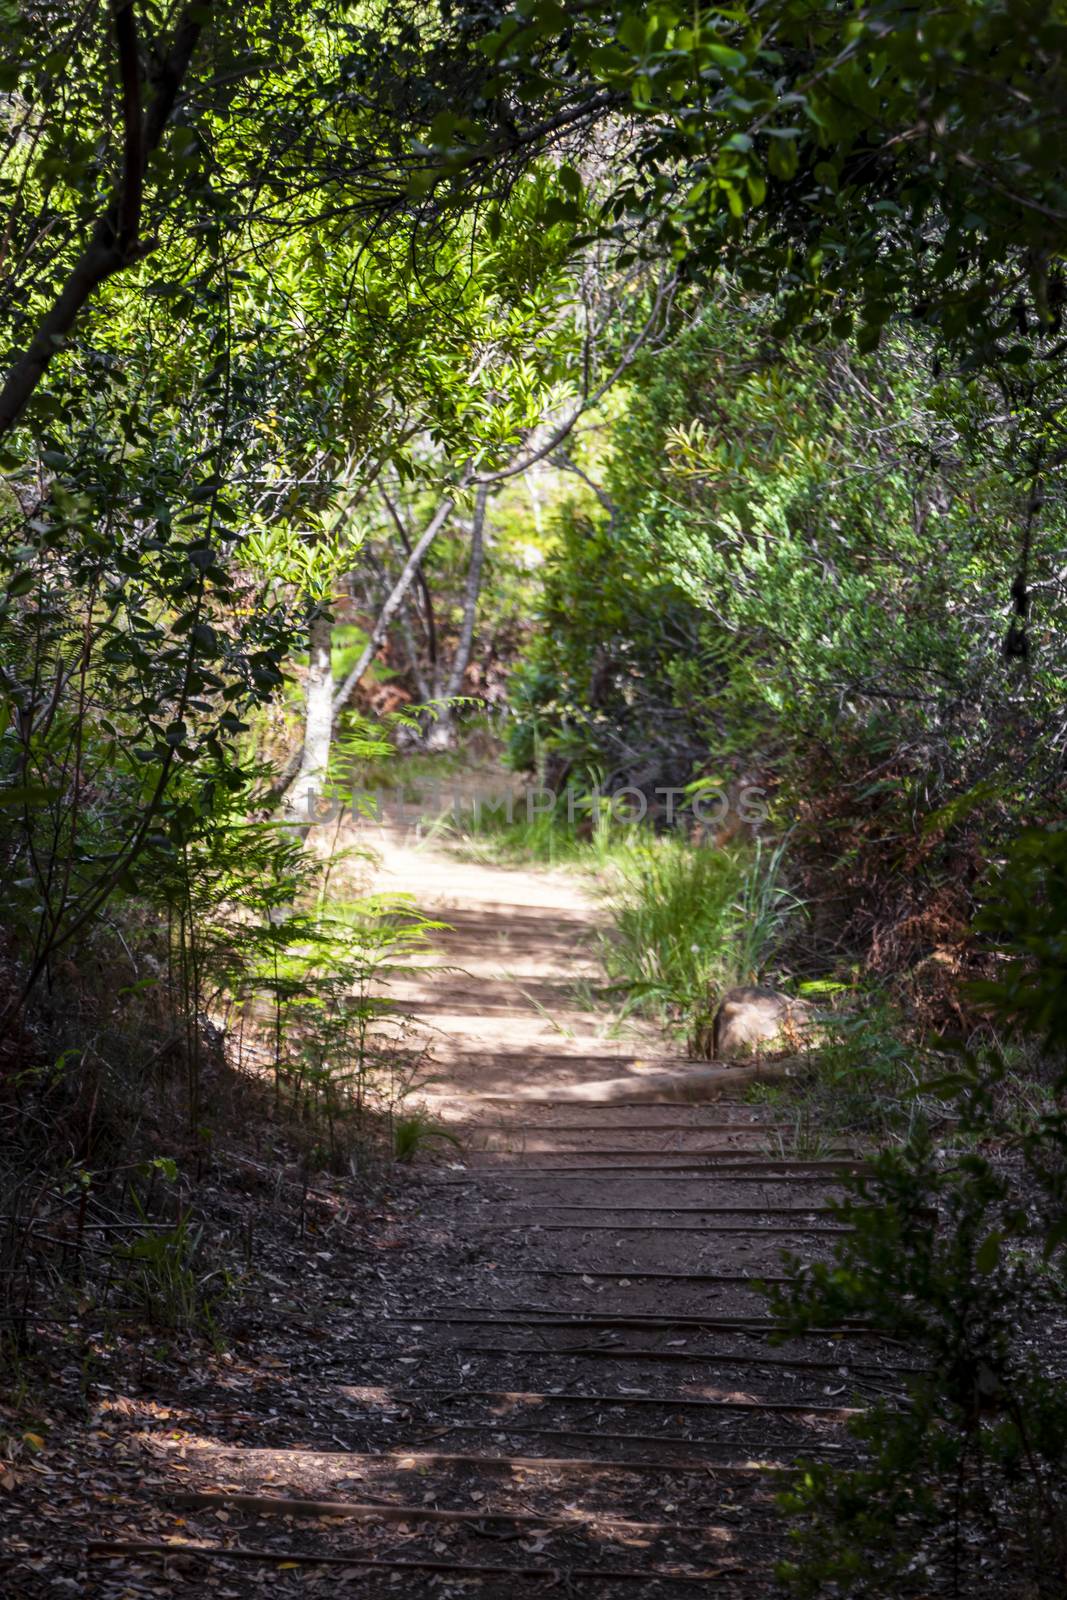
<point>536,1361</point>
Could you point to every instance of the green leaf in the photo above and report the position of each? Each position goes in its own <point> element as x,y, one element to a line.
<point>782,158</point>
<point>631,32</point>
<point>988,1254</point>
<point>723,56</point>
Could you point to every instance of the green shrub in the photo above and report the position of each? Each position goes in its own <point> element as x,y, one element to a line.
<point>959,1255</point>
<point>166,1279</point>
<point>795,584</point>
<point>961,1263</point>
<point>416,1131</point>
<point>1024,919</point>
<point>689,921</point>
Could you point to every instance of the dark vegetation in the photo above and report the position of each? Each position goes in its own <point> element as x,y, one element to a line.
<point>798,585</point>
<point>686,390</point>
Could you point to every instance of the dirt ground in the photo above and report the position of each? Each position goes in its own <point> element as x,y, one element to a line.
<point>537,1362</point>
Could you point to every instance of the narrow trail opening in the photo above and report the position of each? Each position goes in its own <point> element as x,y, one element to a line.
<point>529,1399</point>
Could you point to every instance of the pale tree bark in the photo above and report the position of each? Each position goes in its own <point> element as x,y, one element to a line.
<point>413,565</point>
<point>310,778</point>
<point>428,689</point>
<point>443,733</point>
<point>408,574</point>
<point>296,763</point>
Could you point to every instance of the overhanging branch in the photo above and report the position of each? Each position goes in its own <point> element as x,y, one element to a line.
<point>115,239</point>
<point>661,305</point>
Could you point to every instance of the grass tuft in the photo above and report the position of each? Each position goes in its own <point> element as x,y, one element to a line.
<point>688,920</point>
<point>691,921</point>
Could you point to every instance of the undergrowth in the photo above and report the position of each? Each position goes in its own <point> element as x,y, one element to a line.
<point>863,1075</point>
<point>585,834</point>
<point>688,920</point>
<point>955,1247</point>
<point>956,1255</point>
<point>691,921</point>
<point>238,996</point>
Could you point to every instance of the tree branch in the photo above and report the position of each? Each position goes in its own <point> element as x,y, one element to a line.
<point>566,464</point>
<point>392,604</point>
<point>664,296</point>
<point>114,242</point>
<point>133,164</point>
<point>430,621</point>
<point>470,599</point>
<point>378,632</point>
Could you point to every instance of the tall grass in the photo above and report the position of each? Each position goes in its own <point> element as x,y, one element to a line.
<point>690,921</point>
<point>763,910</point>
<point>592,837</point>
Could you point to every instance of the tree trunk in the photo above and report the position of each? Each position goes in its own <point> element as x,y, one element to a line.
<point>430,690</point>
<point>443,733</point>
<point>296,765</point>
<point>425,690</point>
<point>392,605</point>
<point>310,779</point>
<point>114,243</point>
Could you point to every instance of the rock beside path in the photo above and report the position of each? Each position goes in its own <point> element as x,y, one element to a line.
<point>752,1017</point>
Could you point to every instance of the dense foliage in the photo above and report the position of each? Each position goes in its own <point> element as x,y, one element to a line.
<point>705,366</point>
<point>958,1253</point>
<point>803,577</point>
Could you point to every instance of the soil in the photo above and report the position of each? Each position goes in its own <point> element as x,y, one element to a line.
<point>536,1361</point>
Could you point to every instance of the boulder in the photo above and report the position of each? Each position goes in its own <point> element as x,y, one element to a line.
<point>751,1019</point>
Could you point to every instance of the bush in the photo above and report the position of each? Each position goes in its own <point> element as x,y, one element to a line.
<point>796,584</point>
<point>692,921</point>
<point>961,1256</point>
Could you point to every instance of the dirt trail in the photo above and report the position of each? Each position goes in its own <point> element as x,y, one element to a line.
<point>508,1002</point>
<point>559,1378</point>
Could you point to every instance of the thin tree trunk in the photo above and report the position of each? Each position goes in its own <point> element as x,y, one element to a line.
<point>424,689</point>
<point>473,591</point>
<point>429,621</point>
<point>442,734</point>
<point>381,627</point>
<point>408,574</point>
<point>318,727</point>
<point>412,566</point>
<point>114,242</point>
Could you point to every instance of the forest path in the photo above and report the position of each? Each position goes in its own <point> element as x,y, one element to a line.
<point>507,997</point>
<point>552,1372</point>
